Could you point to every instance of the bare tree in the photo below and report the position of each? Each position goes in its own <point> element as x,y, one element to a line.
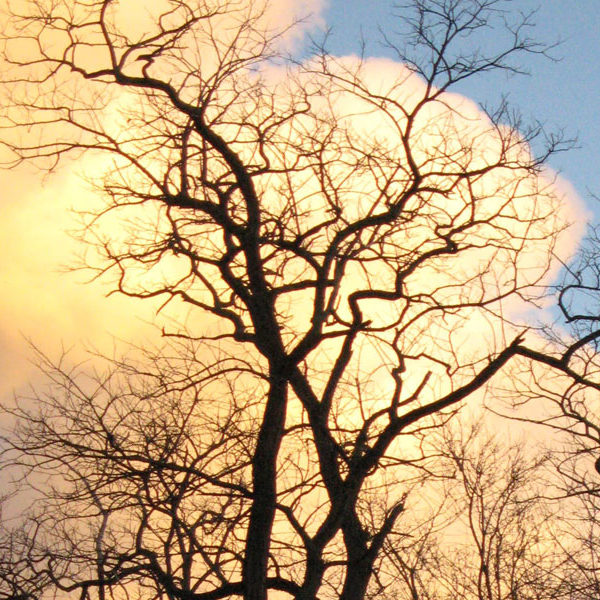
<point>570,409</point>
<point>579,541</point>
<point>338,235</point>
<point>497,533</point>
<point>511,516</point>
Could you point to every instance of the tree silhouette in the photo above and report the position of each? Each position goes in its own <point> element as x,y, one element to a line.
<point>352,246</point>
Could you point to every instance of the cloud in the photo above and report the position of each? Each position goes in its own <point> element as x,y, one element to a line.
<point>518,215</point>
<point>505,221</point>
<point>450,134</point>
<point>42,301</point>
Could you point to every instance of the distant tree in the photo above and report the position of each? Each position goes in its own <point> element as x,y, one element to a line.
<point>511,517</point>
<point>495,534</point>
<point>352,249</point>
<point>578,540</point>
<point>571,410</point>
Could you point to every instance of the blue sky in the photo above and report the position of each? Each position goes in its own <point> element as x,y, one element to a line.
<point>563,95</point>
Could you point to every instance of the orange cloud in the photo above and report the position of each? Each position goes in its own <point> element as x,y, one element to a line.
<point>47,305</point>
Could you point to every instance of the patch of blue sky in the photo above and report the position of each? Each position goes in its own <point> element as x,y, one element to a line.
<point>563,95</point>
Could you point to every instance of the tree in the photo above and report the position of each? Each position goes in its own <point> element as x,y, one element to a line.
<point>510,514</point>
<point>570,410</point>
<point>352,250</point>
<point>497,539</point>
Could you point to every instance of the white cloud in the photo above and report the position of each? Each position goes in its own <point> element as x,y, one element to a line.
<point>46,305</point>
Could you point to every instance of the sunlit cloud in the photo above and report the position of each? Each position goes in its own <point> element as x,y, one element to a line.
<point>526,210</point>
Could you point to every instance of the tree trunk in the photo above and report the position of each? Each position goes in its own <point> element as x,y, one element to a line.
<point>264,469</point>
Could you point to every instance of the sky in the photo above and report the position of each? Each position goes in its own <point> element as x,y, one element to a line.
<point>60,310</point>
<point>563,94</point>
